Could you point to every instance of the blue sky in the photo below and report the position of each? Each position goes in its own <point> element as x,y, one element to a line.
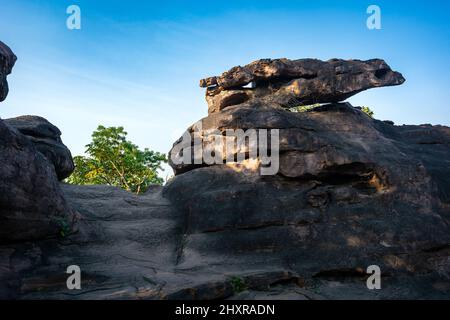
<point>137,63</point>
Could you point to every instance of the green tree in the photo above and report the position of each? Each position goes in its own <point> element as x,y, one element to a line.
<point>113,160</point>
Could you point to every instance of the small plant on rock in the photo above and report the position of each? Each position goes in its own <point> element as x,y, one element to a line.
<point>238,284</point>
<point>64,227</point>
<point>304,108</point>
<point>367,111</point>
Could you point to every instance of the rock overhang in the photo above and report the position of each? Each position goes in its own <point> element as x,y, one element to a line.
<point>289,83</point>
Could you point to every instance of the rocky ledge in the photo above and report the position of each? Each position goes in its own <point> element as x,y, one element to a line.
<point>351,192</point>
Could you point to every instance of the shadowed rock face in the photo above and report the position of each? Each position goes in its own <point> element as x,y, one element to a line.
<point>289,83</point>
<point>31,203</point>
<point>7,61</point>
<point>351,191</point>
<point>47,140</point>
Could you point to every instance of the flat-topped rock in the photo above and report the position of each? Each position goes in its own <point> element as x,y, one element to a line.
<point>290,83</point>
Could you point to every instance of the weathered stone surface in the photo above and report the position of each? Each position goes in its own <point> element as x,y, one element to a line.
<point>351,191</point>
<point>7,61</point>
<point>289,83</point>
<point>31,203</point>
<point>124,247</point>
<point>47,140</point>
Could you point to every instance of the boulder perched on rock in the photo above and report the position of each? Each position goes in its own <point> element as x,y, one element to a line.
<point>350,192</point>
<point>290,83</point>
<point>7,61</point>
<point>47,139</point>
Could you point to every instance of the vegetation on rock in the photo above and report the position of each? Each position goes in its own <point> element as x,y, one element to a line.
<point>238,284</point>
<point>305,108</point>
<point>367,111</point>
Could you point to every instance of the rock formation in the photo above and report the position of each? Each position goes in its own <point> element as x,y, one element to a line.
<point>289,83</point>
<point>32,205</point>
<point>7,61</point>
<point>47,140</point>
<point>351,192</point>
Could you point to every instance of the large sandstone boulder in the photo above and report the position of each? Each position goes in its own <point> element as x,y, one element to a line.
<point>7,61</point>
<point>47,139</point>
<point>31,203</point>
<point>290,83</point>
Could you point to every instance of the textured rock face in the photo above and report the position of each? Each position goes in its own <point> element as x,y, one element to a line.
<point>31,203</point>
<point>289,83</point>
<point>124,242</point>
<point>7,61</point>
<point>47,140</point>
<point>351,191</point>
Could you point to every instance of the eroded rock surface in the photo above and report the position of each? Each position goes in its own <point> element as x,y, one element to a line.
<point>351,191</point>
<point>124,242</point>
<point>31,203</point>
<point>47,139</point>
<point>289,83</point>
